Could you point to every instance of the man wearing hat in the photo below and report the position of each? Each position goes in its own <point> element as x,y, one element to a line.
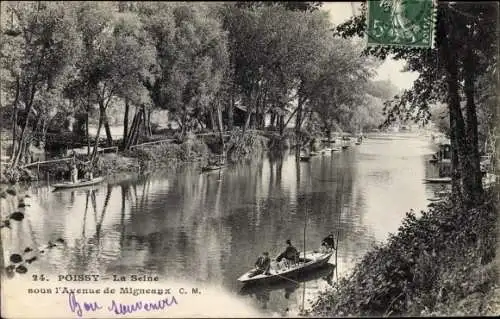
<point>291,254</point>
<point>262,265</point>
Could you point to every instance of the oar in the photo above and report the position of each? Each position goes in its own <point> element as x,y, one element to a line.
<point>294,281</point>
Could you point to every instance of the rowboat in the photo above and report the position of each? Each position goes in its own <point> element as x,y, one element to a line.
<point>305,158</point>
<point>313,154</point>
<point>344,147</point>
<point>83,183</point>
<point>438,180</point>
<point>312,261</point>
<point>322,272</point>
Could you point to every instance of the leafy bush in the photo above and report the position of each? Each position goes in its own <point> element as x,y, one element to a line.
<point>170,154</point>
<point>428,267</point>
<point>243,146</point>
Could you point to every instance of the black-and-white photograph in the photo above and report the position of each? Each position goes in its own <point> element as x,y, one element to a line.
<point>249,159</point>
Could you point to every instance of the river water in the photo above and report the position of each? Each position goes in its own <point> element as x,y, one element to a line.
<point>187,225</point>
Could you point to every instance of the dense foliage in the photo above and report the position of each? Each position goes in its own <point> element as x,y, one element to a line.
<point>430,267</point>
<point>211,66</point>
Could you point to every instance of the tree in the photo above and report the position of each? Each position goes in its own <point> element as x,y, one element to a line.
<point>339,91</point>
<point>441,70</point>
<point>115,60</point>
<point>46,46</point>
<point>192,57</point>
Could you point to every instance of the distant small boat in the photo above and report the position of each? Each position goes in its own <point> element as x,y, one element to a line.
<point>357,143</point>
<point>336,149</point>
<point>442,193</point>
<point>313,154</point>
<point>305,158</point>
<point>344,147</point>
<point>489,180</point>
<point>84,183</point>
<point>438,180</point>
<point>211,168</point>
<point>435,199</point>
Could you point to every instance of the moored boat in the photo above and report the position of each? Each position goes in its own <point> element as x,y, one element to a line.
<point>313,260</point>
<point>83,183</point>
<point>305,158</point>
<point>211,168</point>
<point>438,180</point>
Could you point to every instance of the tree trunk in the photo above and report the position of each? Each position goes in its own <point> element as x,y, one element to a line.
<point>298,118</point>
<point>273,118</point>
<point>22,138</point>
<point>281,124</point>
<point>212,121</point>
<point>131,132</point>
<point>221,129</point>
<point>457,129</point>
<point>456,189</point>
<point>474,184</point>
<point>14,118</point>
<point>125,123</point>
<point>140,123</point>
<point>150,130</point>
<point>230,111</point>
<point>183,121</point>
<point>87,135</point>
<point>109,137</point>
<point>144,121</point>
<point>102,116</point>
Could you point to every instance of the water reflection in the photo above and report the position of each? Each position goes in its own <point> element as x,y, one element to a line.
<point>192,226</point>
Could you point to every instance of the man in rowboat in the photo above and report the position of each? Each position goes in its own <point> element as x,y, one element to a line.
<point>262,265</point>
<point>328,242</point>
<point>291,254</point>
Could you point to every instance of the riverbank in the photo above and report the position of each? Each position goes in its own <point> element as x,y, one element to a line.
<point>148,158</point>
<point>441,263</point>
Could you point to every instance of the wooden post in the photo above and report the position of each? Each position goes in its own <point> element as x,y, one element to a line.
<point>305,225</point>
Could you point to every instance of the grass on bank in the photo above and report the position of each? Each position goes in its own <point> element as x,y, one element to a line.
<point>441,263</point>
<point>148,157</point>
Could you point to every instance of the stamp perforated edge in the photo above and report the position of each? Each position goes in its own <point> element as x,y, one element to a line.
<point>433,30</point>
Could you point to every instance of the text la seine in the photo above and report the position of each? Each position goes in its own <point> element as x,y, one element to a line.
<point>115,278</point>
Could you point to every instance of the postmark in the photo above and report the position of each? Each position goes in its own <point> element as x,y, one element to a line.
<point>401,23</point>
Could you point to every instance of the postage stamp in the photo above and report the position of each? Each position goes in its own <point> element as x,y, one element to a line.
<point>401,22</point>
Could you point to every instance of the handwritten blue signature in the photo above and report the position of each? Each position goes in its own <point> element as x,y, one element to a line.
<point>119,308</point>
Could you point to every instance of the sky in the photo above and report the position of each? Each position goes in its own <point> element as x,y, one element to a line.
<point>390,69</point>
